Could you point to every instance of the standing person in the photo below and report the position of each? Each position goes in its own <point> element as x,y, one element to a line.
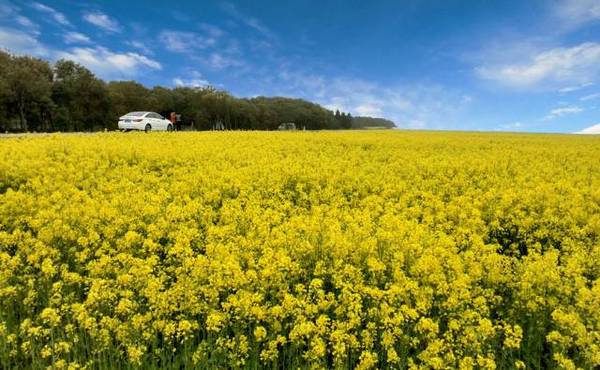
<point>178,121</point>
<point>173,119</point>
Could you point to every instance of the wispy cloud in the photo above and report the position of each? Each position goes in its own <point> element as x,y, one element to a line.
<point>569,89</point>
<point>248,20</point>
<point>562,111</point>
<point>141,46</point>
<point>194,79</point>
<point>102,21</point>
<point>25,22</point>
<point>110,64</point>
<point>106,63</point>
<point>57,16</point>
<point>20,42</point>
<point>413,106</point>
<point>590,97</point>
<point>220,61</point>
<point>545,61</point>
<point>184,42</point>
<point>373,109</point>
<point>579,64</point>
<point>10,13</point>
<point>76,38</point>
<point>575,13</point>
<point>208,48</point>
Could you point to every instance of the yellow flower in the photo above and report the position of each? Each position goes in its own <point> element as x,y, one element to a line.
<point>50,317</point>
<point>260,333</point>
<point>379,249</point>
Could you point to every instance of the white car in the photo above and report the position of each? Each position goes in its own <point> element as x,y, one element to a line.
<point>144,121</point>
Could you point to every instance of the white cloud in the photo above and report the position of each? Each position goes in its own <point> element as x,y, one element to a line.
<point>102,21</point>
<point>194,79</point>
<point>415,106</point>
<point>590,97</point>
<point>184,42</point>
<point>565,110</point>
<point>575,13</point>
<point>53,13</point>
<point>12,14</point>
<point>543,61</point>
<point>20,42</point>
<point>104,62</point>
<point>577,65</point>
<point>595,129</point>
<point>140,46</point>
<point>562,111</point>
<point>110,64</point>
<point>369,109</point>
<point>203,48</point>
<point>76,38</point>
<point>569,89</point>
<point>218,61</point>
<point>257,25</point>
<point>25,22</point>
<point>249,21</point>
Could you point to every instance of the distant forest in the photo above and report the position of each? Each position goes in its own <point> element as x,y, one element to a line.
<point>366,122</point>
<point>36,95</point>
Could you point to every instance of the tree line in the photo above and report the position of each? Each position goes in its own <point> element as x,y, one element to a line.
<point>365,122</point>
<point>36,95</point>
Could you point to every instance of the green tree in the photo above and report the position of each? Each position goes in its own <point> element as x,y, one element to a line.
<point>364,122</point>
<point>80,96</point>
<point>126,96</point>
<point>346,120</point>
<point>69,97</point>
<point>27,85</point>
<point>4,92</point>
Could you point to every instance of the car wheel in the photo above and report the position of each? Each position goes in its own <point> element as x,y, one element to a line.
<point>148,128</point>
<point>170,128</point>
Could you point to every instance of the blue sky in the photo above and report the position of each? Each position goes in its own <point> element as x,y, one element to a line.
<point>426,64</point>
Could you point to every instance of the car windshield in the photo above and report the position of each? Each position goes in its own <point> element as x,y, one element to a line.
<point>136,114</point>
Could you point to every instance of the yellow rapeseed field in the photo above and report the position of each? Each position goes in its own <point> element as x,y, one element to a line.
<point>294,250</point>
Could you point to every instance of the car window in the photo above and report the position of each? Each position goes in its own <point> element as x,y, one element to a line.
<point>136,114</point>
<point>153,115</point>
